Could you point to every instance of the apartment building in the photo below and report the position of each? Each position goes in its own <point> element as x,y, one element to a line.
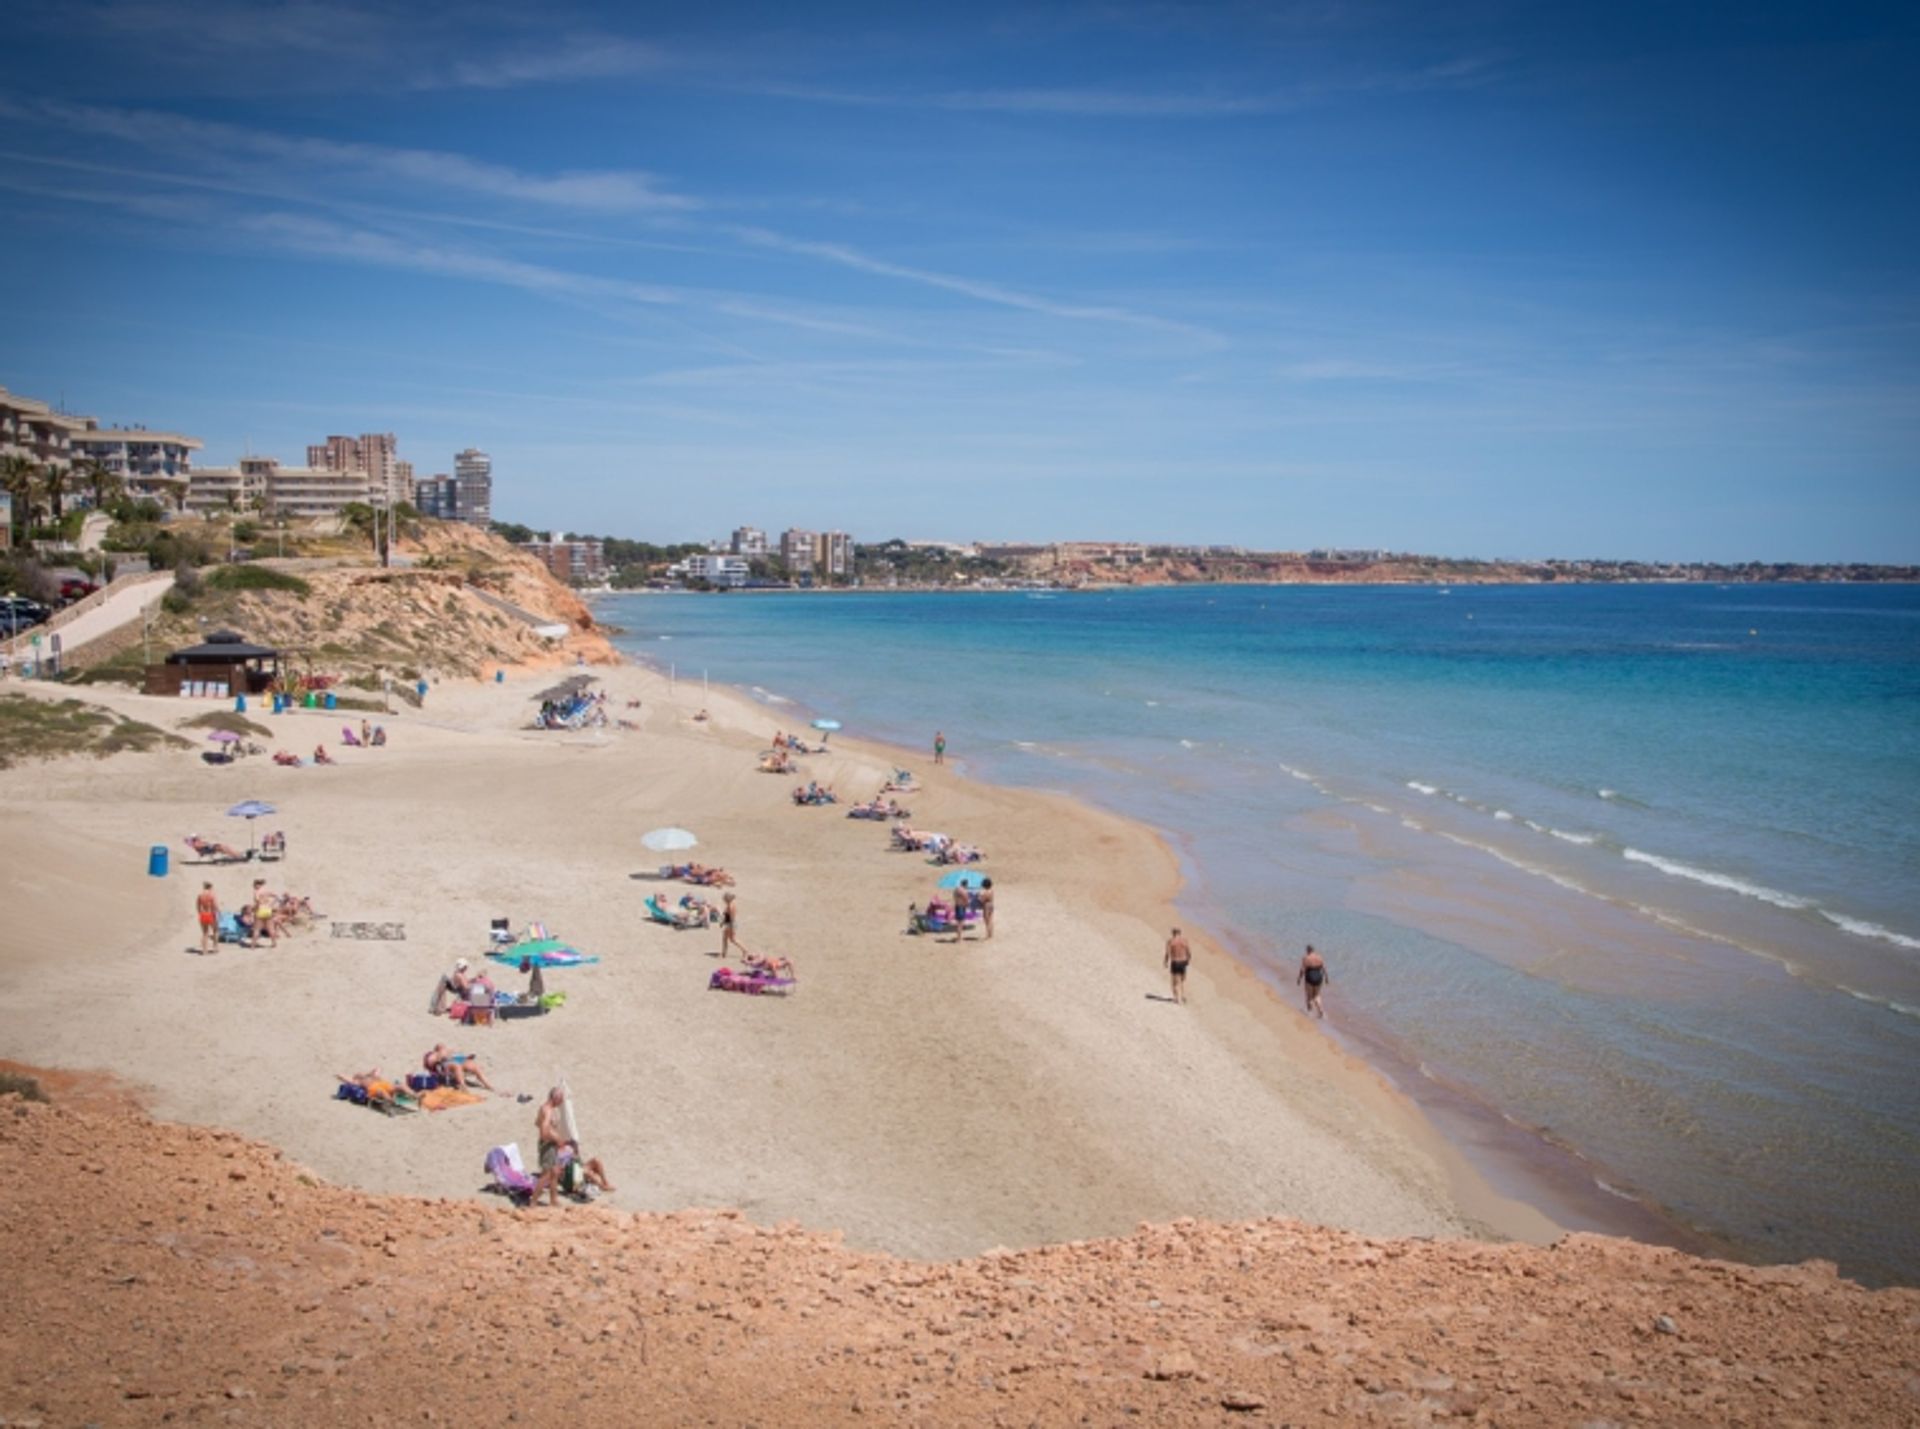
<point>473,488</point>
<point>796,551</point>
<point>376,456</point>
<point>299,492</point>
<point>33,429</point>
<point>437,497</point>
<point>153,465</point>
<point>749,541</point>
<point>217,490</point>
<point>833,554</point>
<point>260,483</point>
<point>714,568</point>
<point>577,562</point>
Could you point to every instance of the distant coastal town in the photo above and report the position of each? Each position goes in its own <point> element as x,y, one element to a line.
<point>83,501</point>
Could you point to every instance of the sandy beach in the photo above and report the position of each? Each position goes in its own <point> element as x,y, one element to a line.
<point>921,1097</point>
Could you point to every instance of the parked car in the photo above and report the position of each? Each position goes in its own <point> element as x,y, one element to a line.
<point>72,590</point>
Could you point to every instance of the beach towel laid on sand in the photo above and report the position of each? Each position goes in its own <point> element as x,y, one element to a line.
<point>440,1098</point>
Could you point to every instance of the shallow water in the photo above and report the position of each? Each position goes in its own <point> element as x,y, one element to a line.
<point>1633,867</point>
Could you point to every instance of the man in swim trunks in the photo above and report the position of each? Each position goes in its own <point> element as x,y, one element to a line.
<point>1313,972</point>
<point>208,908</point>
<point>556,1151</point>
<point>939,747</point>
<point>1177,957</point>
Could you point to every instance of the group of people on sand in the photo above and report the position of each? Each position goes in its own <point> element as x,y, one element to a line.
<point>1312,973</point>
<point>461,984</point>
<point>262,914</point>
<point>371,736</point>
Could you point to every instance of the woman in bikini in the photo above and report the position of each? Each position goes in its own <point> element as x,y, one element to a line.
<point>1313,973</point>
<point>730,928</point>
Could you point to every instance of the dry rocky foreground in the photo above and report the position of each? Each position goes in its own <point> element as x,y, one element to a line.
<point>158,1273</point>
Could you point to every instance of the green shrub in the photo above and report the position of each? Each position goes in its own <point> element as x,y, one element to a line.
<point>253,577</point>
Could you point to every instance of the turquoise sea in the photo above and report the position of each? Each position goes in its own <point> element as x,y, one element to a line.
<point>1623,883</point>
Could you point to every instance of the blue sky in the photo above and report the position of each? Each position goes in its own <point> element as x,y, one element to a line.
<point>1623,279</point>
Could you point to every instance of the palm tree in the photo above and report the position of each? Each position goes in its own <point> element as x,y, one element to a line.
<point>103,484</point>
<point>20,479</point>
<point>55,481</point>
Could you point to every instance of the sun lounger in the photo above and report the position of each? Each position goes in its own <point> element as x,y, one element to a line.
<point>510,1177</point>
<point>659,913</point>
<point>210,851</point>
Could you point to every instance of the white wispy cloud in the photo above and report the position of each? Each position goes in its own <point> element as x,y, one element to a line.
<point>593,190</point>
<point>1098,103</point>
<point>578,57</point>
<point>986,292</point>
<point>321,238</point>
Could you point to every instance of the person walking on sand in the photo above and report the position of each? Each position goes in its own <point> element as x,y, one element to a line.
<point>208,909</point>
<point>1313,972</point>
<point>1177,957</point>
<point>939,747</point>
<point>730,927</point>
<point>983,900</point>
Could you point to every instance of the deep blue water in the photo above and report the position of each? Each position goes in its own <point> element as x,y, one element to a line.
<point>1633,866</point>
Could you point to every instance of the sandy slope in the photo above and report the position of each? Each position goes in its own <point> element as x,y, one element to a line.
<point>923,1098</point>
<point>163,1274</point>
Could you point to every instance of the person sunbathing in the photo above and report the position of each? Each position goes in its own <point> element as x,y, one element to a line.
<point>379,736</point>
<point>698,907</point>
<point>211,851</point>
<point>758,966</point>
<point>957,853</point>
<point>320,755</point>
<point>776,763</point>
<point>291,760</point>
<point>708,877</point>
<point>455,1069</point>
<point>377,1088</point>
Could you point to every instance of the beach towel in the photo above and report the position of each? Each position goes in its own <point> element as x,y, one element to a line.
<point>440,1098</point>
<point>727,980</point>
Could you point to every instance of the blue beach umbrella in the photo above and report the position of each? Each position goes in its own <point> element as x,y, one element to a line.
<point>250,810</point>
<point>962,878</point>
<point>826,724</point>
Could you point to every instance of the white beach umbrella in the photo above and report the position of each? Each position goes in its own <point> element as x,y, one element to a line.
<point>669,839</point>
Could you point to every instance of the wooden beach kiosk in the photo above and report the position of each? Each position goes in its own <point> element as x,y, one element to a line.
<point>224,664</point>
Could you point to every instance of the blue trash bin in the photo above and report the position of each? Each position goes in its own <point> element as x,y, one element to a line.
<point>157,861</point>
<point>499,677</point>
<point>240,704</point>
<point>333,700</point>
